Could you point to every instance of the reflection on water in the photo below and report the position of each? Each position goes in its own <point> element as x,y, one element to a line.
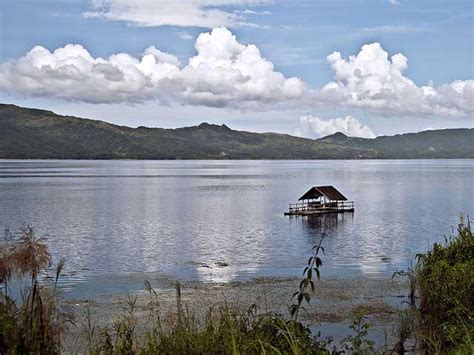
<point>118,221</point>
<point>335,229</point>
<point>326,224</point>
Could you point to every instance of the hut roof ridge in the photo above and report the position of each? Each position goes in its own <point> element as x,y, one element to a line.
<point>328,191</point>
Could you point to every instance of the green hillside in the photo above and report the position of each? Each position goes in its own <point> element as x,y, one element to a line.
<point>38,134</point>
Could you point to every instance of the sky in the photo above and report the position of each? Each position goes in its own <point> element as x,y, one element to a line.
<point>308,68</point>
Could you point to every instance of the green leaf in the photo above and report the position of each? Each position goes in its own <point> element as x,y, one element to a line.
<point>303,284</point>
<point>293,309</point>
<point>307,297</point>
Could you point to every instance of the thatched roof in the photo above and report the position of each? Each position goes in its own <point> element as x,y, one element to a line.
<point>330,192</point>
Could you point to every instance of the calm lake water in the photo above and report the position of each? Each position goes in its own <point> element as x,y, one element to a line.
<point>118,223</point>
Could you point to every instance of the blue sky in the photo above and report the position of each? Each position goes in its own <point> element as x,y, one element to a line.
<point>436,37</point>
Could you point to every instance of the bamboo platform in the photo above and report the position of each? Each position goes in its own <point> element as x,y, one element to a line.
<point>311,208</point>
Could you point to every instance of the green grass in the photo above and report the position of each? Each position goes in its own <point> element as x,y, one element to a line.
<point>223,332</point>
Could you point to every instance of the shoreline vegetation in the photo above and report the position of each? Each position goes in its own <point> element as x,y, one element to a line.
<point>266,316</point>
<point>336,303</point>
<point>27,133</point>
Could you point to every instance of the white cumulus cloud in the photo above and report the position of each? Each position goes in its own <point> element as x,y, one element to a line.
<point>200,13</point>
<point>374,81</point>
<point>227,73</point>
<point>315,127</point>
<point>71,73</point>
<point>223,72</point>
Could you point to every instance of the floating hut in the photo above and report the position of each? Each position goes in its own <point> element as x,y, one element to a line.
<point>320,200</point>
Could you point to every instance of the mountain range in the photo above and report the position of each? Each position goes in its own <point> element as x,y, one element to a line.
<point>27,133</point>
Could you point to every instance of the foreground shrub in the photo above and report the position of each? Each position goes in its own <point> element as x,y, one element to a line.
<point>31,322</point>
<point>445,279</point>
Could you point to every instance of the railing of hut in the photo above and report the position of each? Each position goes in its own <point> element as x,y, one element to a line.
<point>315,206</point>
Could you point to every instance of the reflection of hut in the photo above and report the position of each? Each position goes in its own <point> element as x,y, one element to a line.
<point>319,200</point>
<point>327,223</point>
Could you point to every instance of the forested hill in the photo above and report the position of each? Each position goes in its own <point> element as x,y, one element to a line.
<point>38,134</point>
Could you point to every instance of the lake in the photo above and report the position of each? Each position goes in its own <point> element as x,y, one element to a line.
<point>118,223</point>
